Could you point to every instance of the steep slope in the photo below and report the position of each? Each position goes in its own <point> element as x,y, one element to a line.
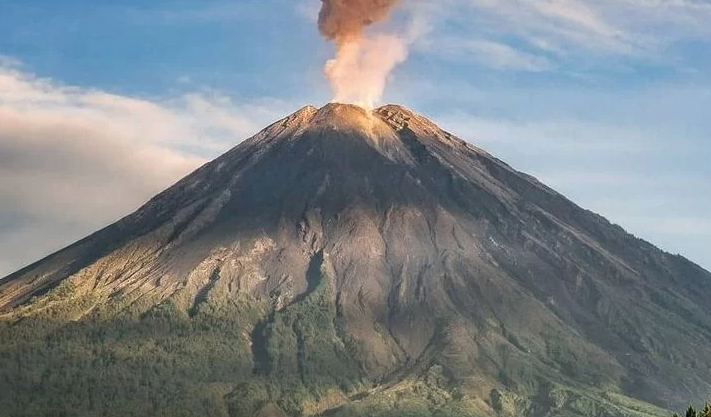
<point>356,263</point>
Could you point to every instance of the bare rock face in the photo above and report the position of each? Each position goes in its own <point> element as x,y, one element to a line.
<point>380,254</point>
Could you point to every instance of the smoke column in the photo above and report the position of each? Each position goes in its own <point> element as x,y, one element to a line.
<point>362,64</point>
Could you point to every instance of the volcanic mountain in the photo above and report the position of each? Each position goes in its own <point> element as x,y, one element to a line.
<point>344,262</point>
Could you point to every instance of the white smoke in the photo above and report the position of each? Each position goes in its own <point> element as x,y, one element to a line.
<point>359,72</point>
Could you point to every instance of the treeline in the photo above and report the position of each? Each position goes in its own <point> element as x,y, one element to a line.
<point>162,363</point>
<point>692,412</point>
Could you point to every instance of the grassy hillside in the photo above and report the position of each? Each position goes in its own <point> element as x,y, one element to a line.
<point>60,356</point>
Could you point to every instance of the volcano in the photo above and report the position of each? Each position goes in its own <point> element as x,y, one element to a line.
<point>344,262</point>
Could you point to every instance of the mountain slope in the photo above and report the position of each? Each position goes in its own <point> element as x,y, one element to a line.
<point>355,264</point>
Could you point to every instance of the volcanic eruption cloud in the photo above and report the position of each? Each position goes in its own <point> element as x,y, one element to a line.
<point>359,71</point>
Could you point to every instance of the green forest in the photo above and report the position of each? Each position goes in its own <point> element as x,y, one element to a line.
<point>66,354</point>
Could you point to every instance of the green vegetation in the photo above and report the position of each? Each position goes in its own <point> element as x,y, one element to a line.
<point>156,362</point>
<point>705,411</point>
<point>73,354</point>
<point>300,356</point>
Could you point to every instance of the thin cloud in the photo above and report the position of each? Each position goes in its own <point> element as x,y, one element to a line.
<point>553,34</point>
<point>214,12</point>
<point>565,138</point>
<point>490,54</point>
<point>684,226</point>
<point>562,23</point>
<point>9,62</point>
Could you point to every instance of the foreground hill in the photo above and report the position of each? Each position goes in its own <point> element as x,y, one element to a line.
<point>347,263</point>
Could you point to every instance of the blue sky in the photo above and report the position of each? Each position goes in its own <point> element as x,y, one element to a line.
<point>102,104</point>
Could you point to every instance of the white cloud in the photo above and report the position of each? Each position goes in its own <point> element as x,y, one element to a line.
<point>74,159</point>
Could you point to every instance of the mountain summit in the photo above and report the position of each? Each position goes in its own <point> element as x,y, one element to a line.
<point>344,262</point>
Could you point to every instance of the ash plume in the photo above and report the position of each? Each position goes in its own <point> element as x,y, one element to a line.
<point>359,71</point>
<point>344,20</point>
